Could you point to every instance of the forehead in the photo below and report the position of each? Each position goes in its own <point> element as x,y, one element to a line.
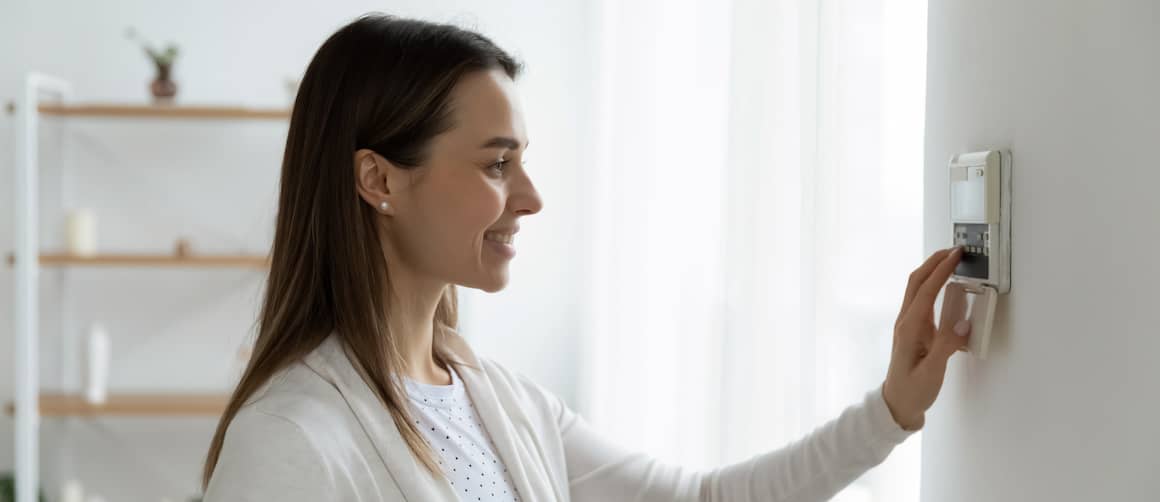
<point>485,104</point>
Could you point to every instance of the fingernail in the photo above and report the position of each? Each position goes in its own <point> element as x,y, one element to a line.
<point>962,327</point>
<point>958,250</point>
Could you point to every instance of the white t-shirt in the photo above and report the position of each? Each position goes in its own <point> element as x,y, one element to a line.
<point>448,420</point>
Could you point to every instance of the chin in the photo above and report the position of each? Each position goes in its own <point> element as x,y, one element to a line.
<point>495,286</point>
<point>491,284</point>
<point>493,289</point>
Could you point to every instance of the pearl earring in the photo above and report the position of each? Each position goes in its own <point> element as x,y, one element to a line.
<point>384,206</point>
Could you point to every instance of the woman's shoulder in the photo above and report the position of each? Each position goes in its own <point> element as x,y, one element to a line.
<point>299,397</point>
<point>291,437</point>
<point>277,444</point>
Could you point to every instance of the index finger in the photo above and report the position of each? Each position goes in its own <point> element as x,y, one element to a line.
<point>930,287</point>
<point>920,274</point>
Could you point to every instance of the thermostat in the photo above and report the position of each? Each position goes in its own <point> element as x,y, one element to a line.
<point>980,218</point>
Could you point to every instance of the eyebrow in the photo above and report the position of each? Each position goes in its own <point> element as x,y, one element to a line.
<point>503,142</point>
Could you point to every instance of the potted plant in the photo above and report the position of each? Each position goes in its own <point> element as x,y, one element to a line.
<point>163,87</point>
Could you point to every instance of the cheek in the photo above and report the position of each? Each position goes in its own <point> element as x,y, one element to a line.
<point>465,212</point>
<point>481,209</point>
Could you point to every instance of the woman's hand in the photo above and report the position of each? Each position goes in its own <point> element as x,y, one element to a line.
<point>918,360</point>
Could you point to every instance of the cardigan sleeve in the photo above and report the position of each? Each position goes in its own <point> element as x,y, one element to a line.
<point>268,457</point>
<point>813,468</point>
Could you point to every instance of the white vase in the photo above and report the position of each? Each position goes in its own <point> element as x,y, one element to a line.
<point>97,382</point>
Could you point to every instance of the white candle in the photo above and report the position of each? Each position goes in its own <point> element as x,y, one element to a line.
<point>81,236</point>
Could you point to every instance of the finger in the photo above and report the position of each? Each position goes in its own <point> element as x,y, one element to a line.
<point>928,291</point>
<point>954,305</point>
<point>920,274</point>
<point>954,309</point>
<point>951,337</point>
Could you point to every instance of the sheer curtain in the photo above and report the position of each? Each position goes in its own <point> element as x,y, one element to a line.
<point>754,211</point>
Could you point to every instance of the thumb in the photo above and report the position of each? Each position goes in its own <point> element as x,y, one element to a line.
<point>950,338</point>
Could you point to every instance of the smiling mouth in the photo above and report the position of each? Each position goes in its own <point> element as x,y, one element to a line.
<point>499,237</point>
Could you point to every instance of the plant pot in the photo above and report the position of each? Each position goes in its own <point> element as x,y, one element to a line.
<point>162,87</point>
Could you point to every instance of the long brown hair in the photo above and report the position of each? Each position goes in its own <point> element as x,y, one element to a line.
<point>381,83</point>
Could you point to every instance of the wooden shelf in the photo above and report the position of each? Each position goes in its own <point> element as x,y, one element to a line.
<point>164,111</point>
<point>64,405</point>
<point>148,260</point>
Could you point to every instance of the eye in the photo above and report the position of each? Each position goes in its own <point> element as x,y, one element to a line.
<point>499,165</point>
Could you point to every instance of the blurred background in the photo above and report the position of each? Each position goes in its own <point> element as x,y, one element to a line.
<point>733,200</point>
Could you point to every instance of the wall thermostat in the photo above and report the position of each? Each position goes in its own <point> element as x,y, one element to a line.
<point>980,218</point>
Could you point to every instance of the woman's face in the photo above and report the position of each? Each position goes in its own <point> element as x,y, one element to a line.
<point>453,219</point>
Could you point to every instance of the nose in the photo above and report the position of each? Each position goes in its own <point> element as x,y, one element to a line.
<point>524,199</point>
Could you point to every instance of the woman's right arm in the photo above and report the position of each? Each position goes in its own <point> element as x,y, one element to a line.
<point>811,469</point>
<point>268,457</point>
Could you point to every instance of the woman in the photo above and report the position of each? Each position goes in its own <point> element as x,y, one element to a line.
<point>402,178</point>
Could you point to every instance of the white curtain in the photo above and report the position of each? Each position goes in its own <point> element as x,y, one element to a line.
<point>754,212</point>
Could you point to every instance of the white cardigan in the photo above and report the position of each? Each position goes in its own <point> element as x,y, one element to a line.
<point>316,432</point>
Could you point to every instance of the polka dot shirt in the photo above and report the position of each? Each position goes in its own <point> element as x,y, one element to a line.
<point>450,424</point>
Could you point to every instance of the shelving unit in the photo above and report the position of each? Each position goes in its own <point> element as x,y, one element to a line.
<point>147,260</point>
<point>27,259</point>
<point>172,112</point>
<point>74,405</point>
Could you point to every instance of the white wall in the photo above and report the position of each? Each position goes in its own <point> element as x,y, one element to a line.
<point>214,181</point>
<point>1065,407</point>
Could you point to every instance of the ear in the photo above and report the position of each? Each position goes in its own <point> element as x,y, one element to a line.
<point>370,179</point>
